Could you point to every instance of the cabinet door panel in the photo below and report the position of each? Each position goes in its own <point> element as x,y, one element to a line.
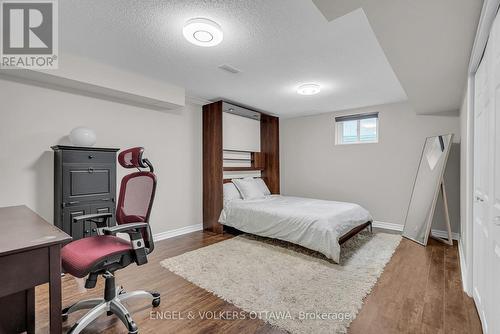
<point>88,182</point>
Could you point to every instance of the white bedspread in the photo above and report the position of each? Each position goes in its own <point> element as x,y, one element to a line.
<point>311,223</point>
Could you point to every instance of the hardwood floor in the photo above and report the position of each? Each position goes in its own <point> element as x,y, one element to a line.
<point>420,291</point>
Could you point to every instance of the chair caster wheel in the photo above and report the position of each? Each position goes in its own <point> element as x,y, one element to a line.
<point>132,328</point>
<point>64,314</point>
<point>156,302</point>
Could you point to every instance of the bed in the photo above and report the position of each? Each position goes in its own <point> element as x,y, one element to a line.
<point>315,224</point>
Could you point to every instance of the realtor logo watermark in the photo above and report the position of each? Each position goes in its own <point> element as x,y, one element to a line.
<point>29,34</point>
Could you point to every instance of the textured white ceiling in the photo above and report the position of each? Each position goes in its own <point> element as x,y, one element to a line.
<point>276,44</point>
<point>427,42</point>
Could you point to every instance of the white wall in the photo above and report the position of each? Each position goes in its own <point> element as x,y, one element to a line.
<point>378,176</point>
<point>87,75</point>
<point>33,118</point>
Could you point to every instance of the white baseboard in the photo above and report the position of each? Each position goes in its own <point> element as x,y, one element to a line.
<point>377,224</point>
<point>177,232</point>
<point>388,226</point>
<point>399,228</point>
<point>444,234</point>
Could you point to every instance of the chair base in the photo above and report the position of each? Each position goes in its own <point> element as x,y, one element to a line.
<point>110,305</point>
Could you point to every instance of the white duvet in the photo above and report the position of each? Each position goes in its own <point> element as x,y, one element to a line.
<point>311,223</point>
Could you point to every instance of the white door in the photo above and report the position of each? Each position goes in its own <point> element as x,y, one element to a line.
<point>494,227</point>
<point>482,111</point>
<point>486,224</point>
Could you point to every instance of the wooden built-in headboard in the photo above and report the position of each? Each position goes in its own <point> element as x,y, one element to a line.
<point>266,161</point>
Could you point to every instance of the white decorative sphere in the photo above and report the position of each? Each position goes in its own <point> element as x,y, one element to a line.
<point>82,136</point>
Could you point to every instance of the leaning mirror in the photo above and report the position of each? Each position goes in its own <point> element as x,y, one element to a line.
<point>426,188</point>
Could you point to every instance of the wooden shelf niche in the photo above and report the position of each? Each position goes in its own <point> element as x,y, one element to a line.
<point>255,161</point>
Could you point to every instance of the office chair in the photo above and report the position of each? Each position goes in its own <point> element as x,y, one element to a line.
<point>105,253</point>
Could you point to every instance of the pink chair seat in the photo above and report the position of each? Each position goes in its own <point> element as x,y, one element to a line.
<point>78,257</point>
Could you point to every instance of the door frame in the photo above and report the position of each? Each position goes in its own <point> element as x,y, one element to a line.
<point>488,14</point>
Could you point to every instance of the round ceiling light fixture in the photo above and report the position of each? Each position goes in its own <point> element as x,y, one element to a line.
<point>202,32</point>
<point>308,89</point>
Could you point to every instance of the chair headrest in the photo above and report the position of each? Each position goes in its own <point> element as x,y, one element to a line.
<point>132,158</point>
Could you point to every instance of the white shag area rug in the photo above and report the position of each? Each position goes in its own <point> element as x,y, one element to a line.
<point>288,286</point>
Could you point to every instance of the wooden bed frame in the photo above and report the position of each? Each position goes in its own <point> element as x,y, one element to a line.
<point>355,231</point>
<point>343,239</point>
<point>346,236</point>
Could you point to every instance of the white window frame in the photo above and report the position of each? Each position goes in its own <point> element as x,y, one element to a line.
<point>339,131</point>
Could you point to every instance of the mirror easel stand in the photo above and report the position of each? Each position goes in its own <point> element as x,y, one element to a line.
<point>448,241</point>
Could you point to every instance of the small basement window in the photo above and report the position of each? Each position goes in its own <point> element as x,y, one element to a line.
<point>356,129</point>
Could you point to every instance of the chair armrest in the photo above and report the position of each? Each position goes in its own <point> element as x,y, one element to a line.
<point>95,218</point>
<point>125,228</point>
<point>136,240</point>
<point>92,216</point>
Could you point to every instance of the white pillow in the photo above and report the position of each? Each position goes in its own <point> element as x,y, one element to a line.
<point>248,189</point>
<point>263,186</point>
<point>230,192</point>
<point>260,183</point>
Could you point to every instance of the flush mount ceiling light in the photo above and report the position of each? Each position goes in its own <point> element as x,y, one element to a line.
<point>202,32</point>
<point>308,89</point>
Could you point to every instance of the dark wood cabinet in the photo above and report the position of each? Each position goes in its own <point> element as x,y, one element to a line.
<point>84,183</point>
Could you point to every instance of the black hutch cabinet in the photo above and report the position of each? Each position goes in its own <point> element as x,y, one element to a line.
<point>84,183</point>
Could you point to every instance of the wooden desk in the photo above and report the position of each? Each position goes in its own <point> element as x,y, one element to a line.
<point>30,251</point>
